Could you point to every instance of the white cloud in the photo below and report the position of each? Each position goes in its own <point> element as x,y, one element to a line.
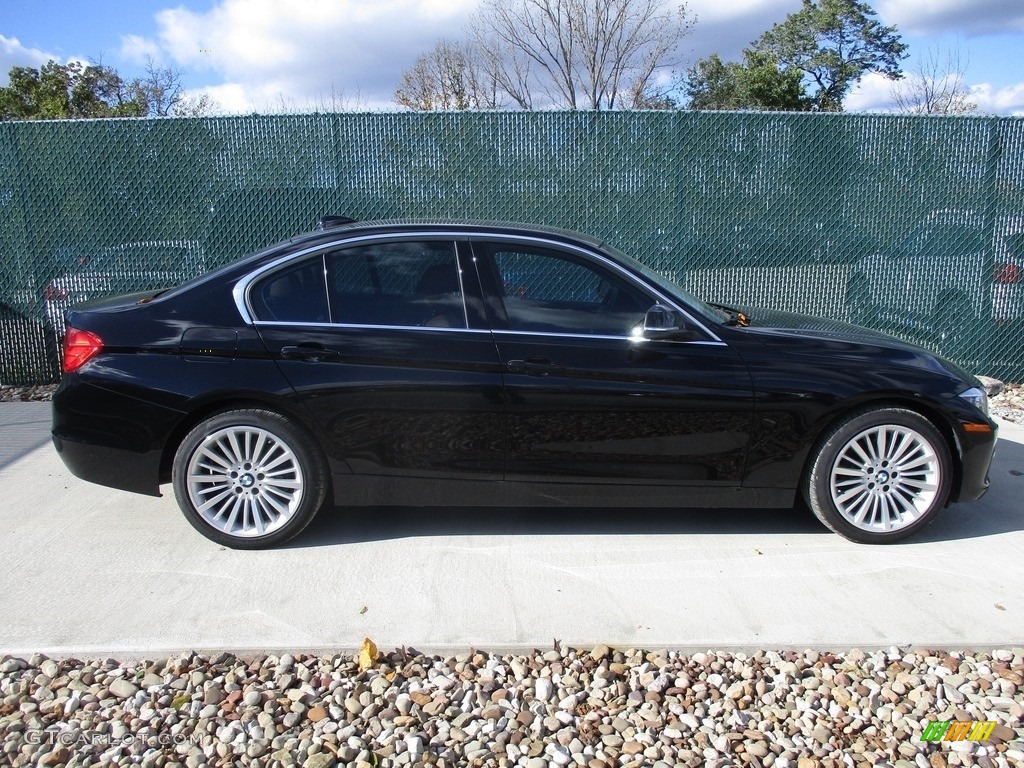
<point>976,17</point>
<point>14,54</point>
<point>139,50</point>
<point>998,101</point>
<point>873,93</point>
<point>271,55</point>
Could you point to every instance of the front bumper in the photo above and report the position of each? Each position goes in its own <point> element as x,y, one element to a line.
<point>977,447</point>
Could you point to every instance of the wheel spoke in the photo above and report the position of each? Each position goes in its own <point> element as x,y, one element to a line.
<point>864,457</point>
<point>216,457</point>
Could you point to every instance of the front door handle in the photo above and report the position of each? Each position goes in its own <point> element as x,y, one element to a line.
<point>310,353</point>
<point>535,366</point>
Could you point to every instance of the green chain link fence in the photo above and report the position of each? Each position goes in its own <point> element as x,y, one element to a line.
<point>911,225</point>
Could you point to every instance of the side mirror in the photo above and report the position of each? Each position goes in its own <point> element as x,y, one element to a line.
<point>664,323</point>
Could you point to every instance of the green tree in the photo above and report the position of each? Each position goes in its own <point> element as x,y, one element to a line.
<point>834,43</point>
<point>56,91</point>
<point>757,83</point>
<point>61,91</point>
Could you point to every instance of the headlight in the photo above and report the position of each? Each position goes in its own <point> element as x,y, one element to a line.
<point>976,396</point>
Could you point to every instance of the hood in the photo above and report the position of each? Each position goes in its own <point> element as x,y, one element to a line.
<point>775,327</point>
<point>818,327</point>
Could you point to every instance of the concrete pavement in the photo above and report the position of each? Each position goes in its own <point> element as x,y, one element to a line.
<point>88,571</point>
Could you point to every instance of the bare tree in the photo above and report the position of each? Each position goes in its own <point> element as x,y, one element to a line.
<point>161,87</point>
<point>339,100</point>
<point>935,85</point>
<point>196,105</point>
<point>579,54</point>
<point>163,95</point>
<point>450,77</point>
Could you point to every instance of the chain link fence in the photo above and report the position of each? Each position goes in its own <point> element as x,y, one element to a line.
<point>910,225</point>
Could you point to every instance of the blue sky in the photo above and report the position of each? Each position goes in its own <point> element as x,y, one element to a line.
<point>272,55</point>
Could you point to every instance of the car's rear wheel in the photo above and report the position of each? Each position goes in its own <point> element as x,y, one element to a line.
<point>879,476</point>
<point>249,478</point>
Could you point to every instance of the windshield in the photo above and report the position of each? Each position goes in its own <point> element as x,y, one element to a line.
<point>672,288</point>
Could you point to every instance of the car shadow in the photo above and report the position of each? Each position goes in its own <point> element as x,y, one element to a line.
<point>342,525</point>
<point>998,512</point>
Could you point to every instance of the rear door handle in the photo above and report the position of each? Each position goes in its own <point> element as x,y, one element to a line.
<point>535,366</point>
<point>310,353</point>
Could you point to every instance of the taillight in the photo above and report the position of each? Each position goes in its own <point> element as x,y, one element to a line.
<point>79,348</point>
<point>53,293</point>
<point>1007,273</point>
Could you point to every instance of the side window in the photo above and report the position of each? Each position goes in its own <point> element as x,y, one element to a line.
<point>295,294</point>
<point>407,283</point>
<point>545,290</point>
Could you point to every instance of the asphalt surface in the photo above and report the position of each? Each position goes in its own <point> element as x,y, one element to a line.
<point>93,571</point>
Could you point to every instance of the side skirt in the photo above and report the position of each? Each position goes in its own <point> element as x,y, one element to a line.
<point>379,490</point>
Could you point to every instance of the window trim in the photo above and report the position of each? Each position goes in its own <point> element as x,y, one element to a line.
<point>375,278</point>
<point>241,288</point>
<point>240,291</point>
<point>483,238</point>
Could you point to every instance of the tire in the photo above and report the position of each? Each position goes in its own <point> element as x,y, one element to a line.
<point>241,506</point>
<point>877,496</point>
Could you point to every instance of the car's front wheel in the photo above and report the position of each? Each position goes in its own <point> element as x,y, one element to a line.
<point>879,476</point>
<point>249,478</point>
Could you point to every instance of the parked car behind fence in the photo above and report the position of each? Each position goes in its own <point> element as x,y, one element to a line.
<point>125,268</point>
<point>950,280</point>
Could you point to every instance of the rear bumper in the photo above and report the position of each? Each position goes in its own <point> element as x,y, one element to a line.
<point>112,467</point>
<point>110,438</point>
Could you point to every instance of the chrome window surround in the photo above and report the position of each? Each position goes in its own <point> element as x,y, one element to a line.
<point>615,266</point>
<point>240,292</point>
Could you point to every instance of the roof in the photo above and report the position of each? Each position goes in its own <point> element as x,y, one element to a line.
<point>468,226</point>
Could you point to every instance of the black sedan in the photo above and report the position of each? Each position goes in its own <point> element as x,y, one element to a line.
<point>466,363</point>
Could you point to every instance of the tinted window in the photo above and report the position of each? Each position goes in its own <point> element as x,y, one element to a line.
<point>295,294</point>
<point>550,291</point>
<point>405,283</point>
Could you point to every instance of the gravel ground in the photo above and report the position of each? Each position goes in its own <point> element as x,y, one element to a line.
<point>34,393</point>
<point>1009,404</point>
<point>596,708</point>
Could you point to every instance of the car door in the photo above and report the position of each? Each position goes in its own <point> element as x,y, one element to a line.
<point>386,351</point>
<point>591,400</point>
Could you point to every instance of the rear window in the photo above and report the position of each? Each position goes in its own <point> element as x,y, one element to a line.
<point>408,283</point>
<point>295,294</point>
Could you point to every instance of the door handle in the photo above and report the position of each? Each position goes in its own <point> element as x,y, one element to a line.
<point>310,353</point>
<point>535,366</point>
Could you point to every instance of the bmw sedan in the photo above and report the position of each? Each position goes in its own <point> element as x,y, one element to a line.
<point>468,363</point>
